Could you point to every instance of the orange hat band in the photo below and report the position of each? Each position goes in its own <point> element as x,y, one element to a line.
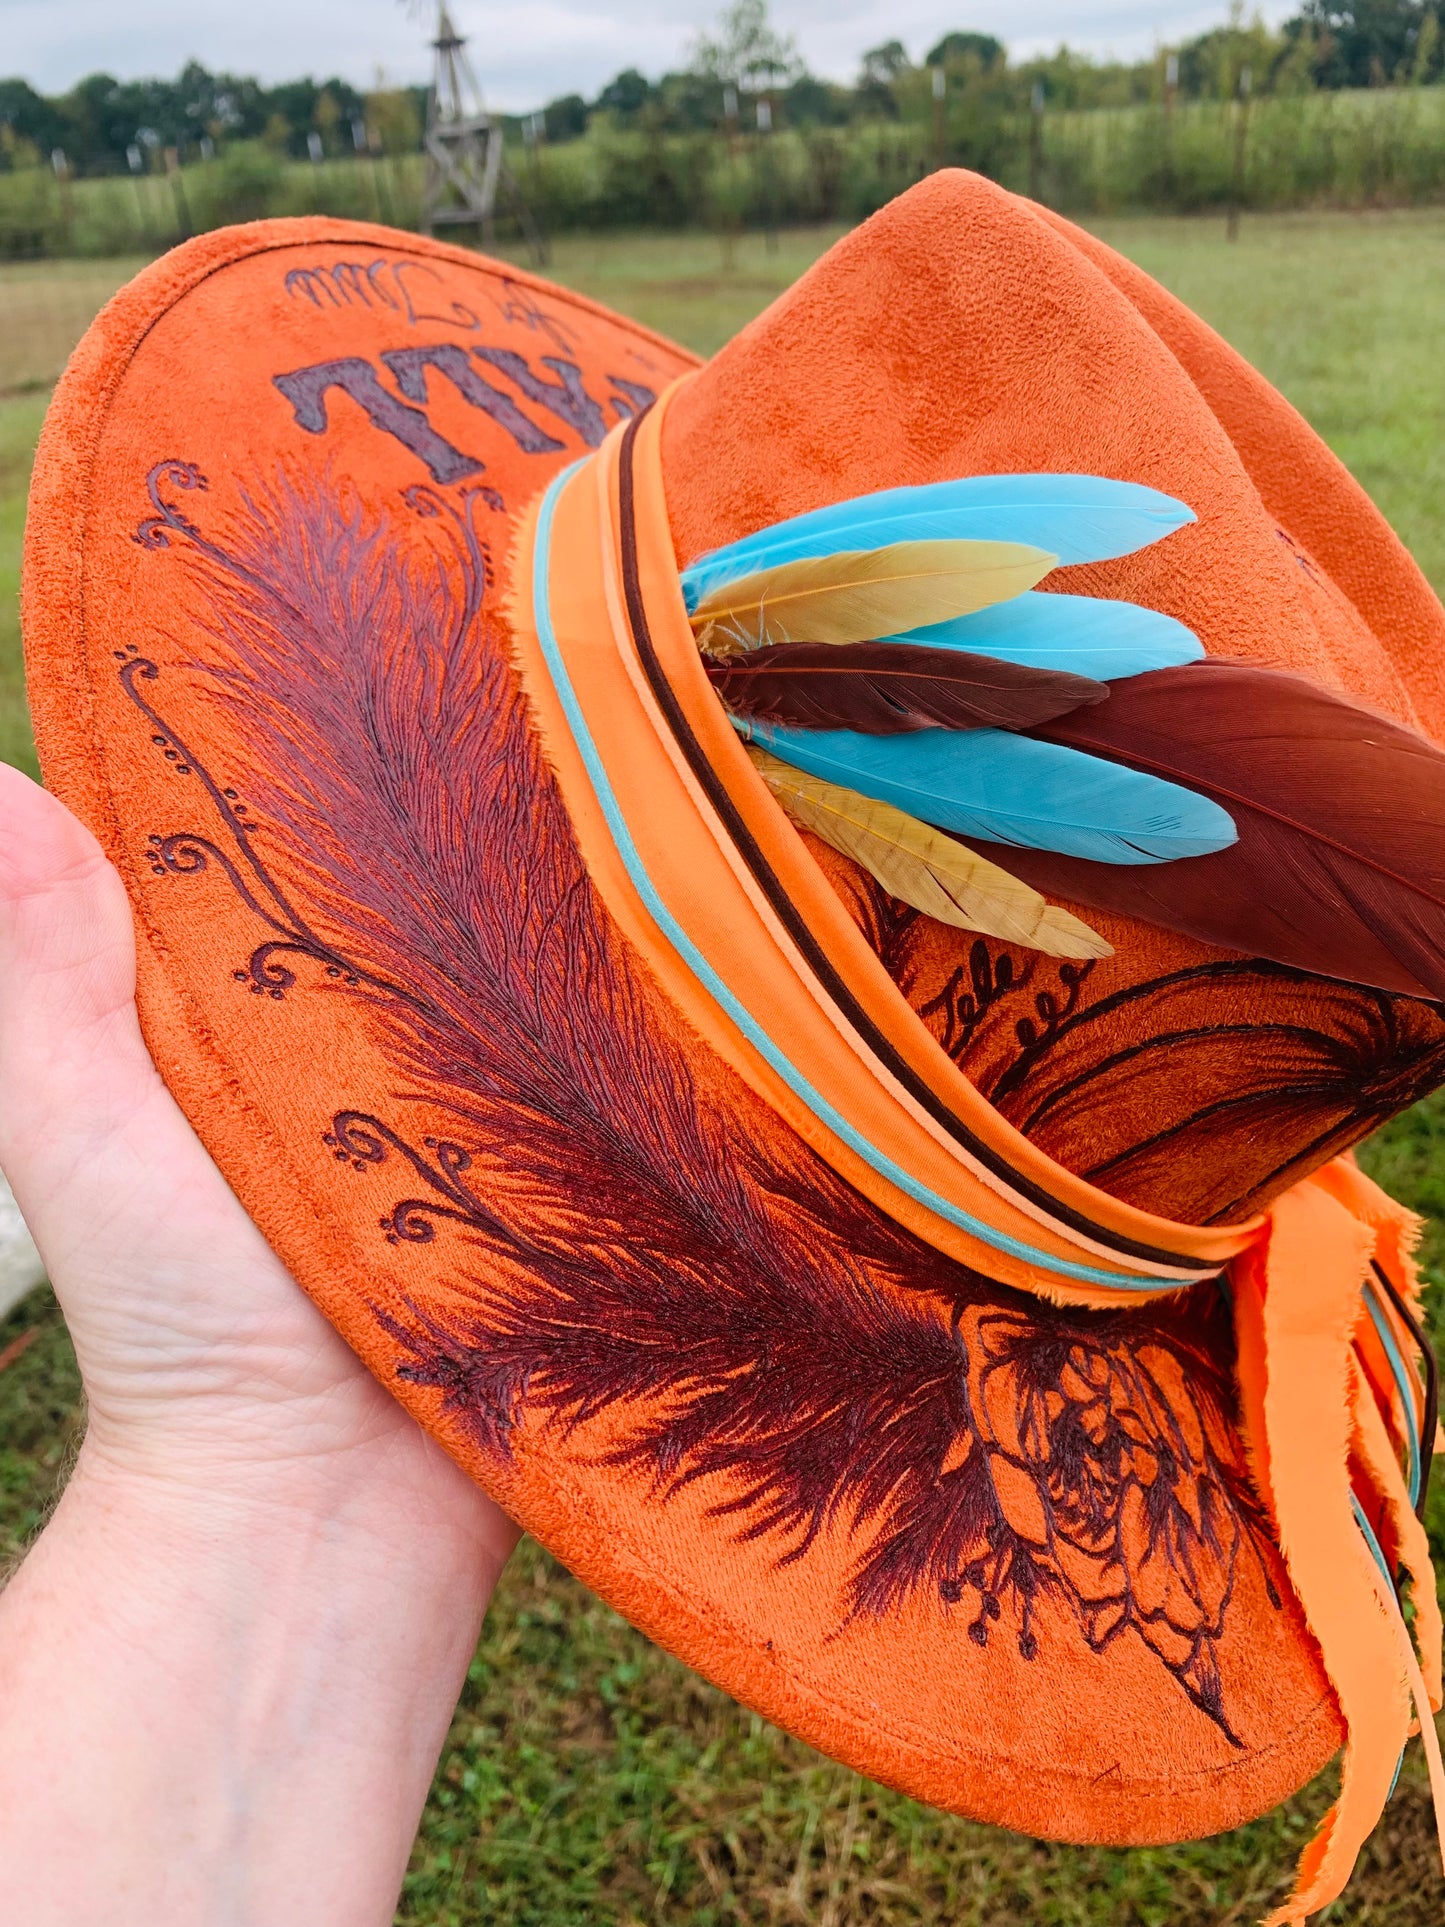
<point>718,893</point>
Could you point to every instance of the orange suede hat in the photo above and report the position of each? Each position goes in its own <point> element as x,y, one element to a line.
<point>984,1359</point>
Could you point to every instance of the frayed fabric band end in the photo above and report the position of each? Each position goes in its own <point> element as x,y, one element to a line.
<point>1313,1429</point>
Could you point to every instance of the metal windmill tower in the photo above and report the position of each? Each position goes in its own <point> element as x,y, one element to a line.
<point>466,162</point>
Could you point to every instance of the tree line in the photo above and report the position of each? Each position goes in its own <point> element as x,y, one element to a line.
<point>745,74</point>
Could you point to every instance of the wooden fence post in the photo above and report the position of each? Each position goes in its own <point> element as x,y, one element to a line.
<point>1171,89</point>
<point>1241,132</point>
<point>178,190</point>
<point>1036,140</point>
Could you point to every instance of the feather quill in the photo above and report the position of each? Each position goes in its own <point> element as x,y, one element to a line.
<point>923,867</point>
<point>865,593</point>
<point>884,688</point>
<point>1079,518</point>
<point>1340,864</point>
<point>1089,635</point>
<point>1012,789</point>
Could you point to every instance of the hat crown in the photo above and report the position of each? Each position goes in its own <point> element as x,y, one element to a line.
<point>963,332</point>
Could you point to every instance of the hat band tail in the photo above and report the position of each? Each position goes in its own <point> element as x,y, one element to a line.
<point>1326,1466</point>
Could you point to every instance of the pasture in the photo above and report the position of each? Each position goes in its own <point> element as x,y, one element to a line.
<point>588,1777</point>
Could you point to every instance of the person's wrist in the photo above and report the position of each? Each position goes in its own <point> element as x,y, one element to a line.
<point>242,1667</point>
<point>350,1464</point>
<point>292,1540</point>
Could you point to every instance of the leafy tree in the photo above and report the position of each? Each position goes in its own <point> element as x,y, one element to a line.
<point>1210,67</point>
<point>810,102</point>
<point>297,101</point>
<point>1428,54</point>
<point>33,121</point>
<point>1366,42</point>
<point>103,117</point>
<point>394,118</point>
<point>874,95</point>
<point>1072,80</point>
<point>626,94</point>
<point>960,47</point>
<point>687,102</point>
<point>221,105</point>
<point>565,118</point>
<point>327,117</point>
<point>881,66</point>
<point>747,51</point>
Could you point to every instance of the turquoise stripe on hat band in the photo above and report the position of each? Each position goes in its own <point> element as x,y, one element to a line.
<point>1403,1380</point>
<point>720,992</point>
<point>1379,1558</point>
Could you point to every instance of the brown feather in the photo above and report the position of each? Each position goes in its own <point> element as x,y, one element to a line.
<point>885,688</point>
<point>1340,863</point>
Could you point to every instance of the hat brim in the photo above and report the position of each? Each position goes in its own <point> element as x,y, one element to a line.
<point>1001,1555</point>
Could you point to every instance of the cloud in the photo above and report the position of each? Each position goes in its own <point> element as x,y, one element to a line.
<point>533,51</point>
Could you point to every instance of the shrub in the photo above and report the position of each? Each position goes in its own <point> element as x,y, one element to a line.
<point>246,183</point>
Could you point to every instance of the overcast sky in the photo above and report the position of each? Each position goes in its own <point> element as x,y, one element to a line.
<point>528,51</point>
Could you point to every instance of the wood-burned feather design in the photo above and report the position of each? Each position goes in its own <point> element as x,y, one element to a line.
<point>630,1248</point>
<point>1199,1093</point>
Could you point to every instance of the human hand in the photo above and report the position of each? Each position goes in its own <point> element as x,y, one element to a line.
<point>264,1582</point>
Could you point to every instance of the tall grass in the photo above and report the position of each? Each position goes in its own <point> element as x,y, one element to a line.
<point>145,214</point>
<point>1384,147</point>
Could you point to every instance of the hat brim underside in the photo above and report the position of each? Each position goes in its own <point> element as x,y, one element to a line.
<point>1003,1556</point>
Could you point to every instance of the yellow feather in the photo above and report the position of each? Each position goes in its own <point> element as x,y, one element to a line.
<point>866,593</point>
<point>923,867</point>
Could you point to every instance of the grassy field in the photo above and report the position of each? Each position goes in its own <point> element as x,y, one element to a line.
<point>45,307</point>
<point>588,1777</point>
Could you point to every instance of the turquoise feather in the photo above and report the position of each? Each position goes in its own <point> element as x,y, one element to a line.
<point>1084,634</point>
<point>1079,518</point>
<point>1005,788</point>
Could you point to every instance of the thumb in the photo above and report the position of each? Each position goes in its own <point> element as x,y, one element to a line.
<point>79,1094</point>
<point>69,1038</point>
<point>172,1275</point>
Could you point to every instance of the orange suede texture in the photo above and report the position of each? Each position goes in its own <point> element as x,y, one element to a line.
<point>963,332</point>
<point>304,1077</point>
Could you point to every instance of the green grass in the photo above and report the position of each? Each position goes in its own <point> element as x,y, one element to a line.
<point>20,419</point>
<point>41,1417</point>
<point>590,1778</point>
<point>1342,313</point>
<point>695,288</point>
<point>45,307</point>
